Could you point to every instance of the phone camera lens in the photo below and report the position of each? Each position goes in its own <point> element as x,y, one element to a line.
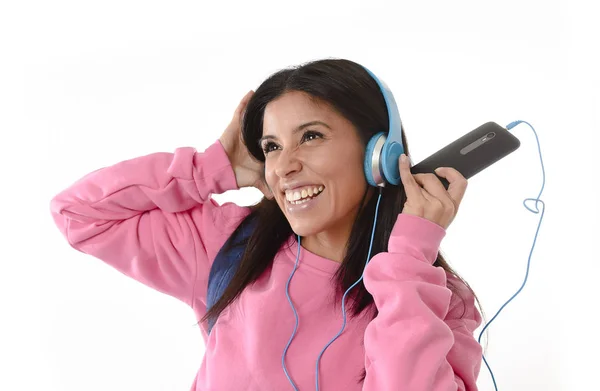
<point>490,135</point>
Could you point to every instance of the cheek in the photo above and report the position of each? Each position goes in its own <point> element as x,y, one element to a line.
<point>271,179</point>
<point>269,173</point>
<point>349,180</point>
<point>354,186</point>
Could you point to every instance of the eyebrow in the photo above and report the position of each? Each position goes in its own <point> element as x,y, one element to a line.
<point>296,130</point>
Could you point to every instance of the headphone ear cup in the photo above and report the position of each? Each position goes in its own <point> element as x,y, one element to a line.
<point>369,165</point>
<point>389,162</point>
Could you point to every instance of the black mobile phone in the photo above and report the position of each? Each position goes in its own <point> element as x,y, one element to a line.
<point>471,153</point>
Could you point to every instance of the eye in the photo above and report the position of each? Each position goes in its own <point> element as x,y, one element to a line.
<point>269,146</point>
<point>311,135</point>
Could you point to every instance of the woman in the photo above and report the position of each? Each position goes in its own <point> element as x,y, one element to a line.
<point>300,139</point>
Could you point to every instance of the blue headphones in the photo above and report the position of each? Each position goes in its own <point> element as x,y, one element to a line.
<point>381,166</point>
<point>383,150</point>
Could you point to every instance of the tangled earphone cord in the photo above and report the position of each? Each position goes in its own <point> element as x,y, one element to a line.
<point>536,211</point>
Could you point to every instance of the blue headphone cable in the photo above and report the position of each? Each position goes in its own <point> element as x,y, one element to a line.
<point>536,211</point>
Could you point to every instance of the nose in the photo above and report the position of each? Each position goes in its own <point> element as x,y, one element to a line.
<point>287,164</point>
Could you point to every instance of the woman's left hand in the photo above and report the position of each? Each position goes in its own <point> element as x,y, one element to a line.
<point>427,197</point>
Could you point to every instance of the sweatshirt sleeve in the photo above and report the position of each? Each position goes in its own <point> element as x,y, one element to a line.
<point>152,217</point>
<point>422,338</point>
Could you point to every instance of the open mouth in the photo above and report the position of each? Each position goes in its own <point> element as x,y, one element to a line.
<point>300,196</point>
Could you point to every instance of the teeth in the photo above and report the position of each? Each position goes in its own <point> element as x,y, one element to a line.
<point>293,196</point>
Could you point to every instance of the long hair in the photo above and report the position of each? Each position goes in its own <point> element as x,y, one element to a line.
<point>349,89</point>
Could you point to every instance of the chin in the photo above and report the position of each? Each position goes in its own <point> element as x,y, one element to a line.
<point>302,230</point>
<point>304,223</point>
<point>305,228</point>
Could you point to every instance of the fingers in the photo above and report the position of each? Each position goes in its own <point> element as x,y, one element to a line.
<point>435,192</point>
<point>428,186</point>
<point>431,184</point>
<point>242,105</point>
<point>458,183</point>
<point>411,187</point>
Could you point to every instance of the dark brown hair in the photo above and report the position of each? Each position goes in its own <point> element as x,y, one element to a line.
<point>349,89</point>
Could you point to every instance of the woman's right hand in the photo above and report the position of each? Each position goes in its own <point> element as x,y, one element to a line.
<point>248,171</point>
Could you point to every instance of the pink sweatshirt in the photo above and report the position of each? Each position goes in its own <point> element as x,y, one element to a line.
<point>153,219</point>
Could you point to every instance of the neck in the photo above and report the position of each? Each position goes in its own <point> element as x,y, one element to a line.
<point>331,243</point>
<point>326,246</point>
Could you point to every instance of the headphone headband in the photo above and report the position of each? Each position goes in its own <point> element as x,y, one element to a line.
<point>382,166</point>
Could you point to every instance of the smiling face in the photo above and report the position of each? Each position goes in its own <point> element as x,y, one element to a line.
<point>314,165</point>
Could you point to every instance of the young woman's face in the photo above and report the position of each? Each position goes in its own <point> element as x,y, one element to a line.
<point>313,164</point>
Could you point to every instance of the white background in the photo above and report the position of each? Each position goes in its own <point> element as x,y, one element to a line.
<point>87,84</point>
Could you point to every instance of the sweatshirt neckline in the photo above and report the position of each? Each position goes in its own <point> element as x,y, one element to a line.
<point>308,258</point>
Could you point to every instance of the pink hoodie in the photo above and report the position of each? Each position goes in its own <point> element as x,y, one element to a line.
<point>153,219</point>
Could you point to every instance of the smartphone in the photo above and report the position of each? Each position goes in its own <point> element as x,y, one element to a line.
<point>471,153</point>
